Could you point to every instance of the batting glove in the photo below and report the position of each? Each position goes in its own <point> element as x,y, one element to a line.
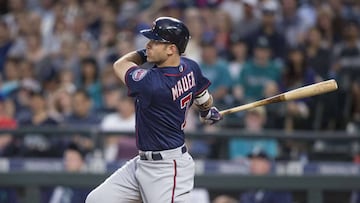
<point>210,116</point>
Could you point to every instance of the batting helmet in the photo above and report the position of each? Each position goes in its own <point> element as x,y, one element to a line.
<point>170,30</point>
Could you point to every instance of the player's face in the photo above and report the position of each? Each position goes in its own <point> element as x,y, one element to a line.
<point>157,52</point>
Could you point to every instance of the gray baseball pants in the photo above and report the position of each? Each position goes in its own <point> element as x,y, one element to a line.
<point>169,180</point>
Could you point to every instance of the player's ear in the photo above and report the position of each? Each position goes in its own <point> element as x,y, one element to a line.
<point>172,49</point>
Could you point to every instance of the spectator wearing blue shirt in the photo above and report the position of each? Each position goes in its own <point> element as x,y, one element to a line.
<point>260,164</point>
<point>82,117</point>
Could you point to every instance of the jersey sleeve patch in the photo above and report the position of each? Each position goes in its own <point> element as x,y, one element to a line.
<point>138,74</point>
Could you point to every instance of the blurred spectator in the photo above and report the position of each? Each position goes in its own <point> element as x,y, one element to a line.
<point>216,70</point>
<point>108,79</point>
<point>293,23</point>
<point>260,165</point>
<point>89,80</point>
<point>60,105</point>
<point>346,69</point>
<point>250,22</point>
<point>268,30</point>
<point>74,162</point>
<point>254,120</point>
<point>259,76</point>
<point>82,116</point>
<point>235,9</point>
<point>318,58</point>
<point>34,50</point>
<point>325,23</point>
<point>223,28</point>
<point>120,146</point>
<point>238,58</point>
<point>107,43</point>
<point>317,55</point>
<point>67,80</point>
<point>193,20</point>
<point>66,57</point>
<point>124,44</point>
<point>36,145</point>
<point>111,95</point>
<point>11,75</point>
<point>9,145</point>
<point>297,74</point>
<point>5,43</point>
<point>237,62</point>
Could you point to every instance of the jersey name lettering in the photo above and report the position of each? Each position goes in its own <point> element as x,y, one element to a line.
<point>183,85</point>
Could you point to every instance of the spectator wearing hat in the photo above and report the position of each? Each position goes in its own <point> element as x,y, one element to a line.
<point>260,165</point>
<point>260,75</point>
<point>269,30</point>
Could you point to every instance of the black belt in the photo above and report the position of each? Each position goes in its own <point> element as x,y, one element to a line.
<point>156,156</point>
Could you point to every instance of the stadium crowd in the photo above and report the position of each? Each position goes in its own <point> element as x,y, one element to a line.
<point>56,62</point>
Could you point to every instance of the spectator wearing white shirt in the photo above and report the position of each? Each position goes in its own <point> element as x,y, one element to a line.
<point>120,145</point>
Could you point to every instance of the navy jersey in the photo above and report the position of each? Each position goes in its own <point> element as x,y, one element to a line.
<point>162,98</point>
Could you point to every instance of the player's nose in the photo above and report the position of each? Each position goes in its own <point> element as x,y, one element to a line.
<point>149,44</point>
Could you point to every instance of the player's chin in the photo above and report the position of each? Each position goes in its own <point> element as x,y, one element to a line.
<point>150,59</point>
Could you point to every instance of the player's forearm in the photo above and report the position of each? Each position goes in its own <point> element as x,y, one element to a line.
<point>122,65</point>
<point>209,114</point>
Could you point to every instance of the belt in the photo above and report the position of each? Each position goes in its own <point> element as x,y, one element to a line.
<point>156,156</point>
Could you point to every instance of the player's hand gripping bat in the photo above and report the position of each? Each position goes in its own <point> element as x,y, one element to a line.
<point>302,92</point>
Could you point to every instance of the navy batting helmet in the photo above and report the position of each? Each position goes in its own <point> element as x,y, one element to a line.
<point>170,30</point>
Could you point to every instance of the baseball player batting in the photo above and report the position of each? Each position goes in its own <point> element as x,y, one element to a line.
<point>163,172</point>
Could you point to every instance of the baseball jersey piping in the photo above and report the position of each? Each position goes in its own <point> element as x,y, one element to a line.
<point>174,185</point>
<point>175,74</point>
<point>126,78</point>
<point>204,88</point>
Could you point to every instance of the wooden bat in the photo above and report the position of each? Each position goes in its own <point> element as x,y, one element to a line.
<point>302,92</point>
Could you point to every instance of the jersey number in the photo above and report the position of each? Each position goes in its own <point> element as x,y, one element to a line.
<point>185,103</point>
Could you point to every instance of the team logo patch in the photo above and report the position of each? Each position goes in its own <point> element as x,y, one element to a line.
<point>138,74</point>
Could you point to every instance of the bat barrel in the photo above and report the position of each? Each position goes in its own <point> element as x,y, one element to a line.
<point>306,91</point>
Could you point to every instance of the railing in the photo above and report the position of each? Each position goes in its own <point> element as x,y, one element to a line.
<point>313,185</point>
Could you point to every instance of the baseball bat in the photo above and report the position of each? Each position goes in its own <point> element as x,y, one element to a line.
<point>302,92</point>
